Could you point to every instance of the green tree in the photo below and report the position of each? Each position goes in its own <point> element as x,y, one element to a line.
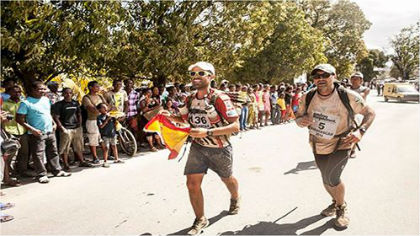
<point>291,48</point>
<point>375,59</point>
<point>406,47</point>
<point>40,40</point>
<point>343,24</point>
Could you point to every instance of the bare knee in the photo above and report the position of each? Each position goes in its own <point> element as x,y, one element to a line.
<point>193,185</point>
<point>229,180</point>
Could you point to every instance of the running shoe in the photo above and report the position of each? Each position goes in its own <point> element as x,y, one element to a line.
<point>198,226</point>
<point>235,205</point>
<point>342,220</point>
<point>330,210</point>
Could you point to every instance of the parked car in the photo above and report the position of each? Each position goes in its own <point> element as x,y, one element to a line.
<point>401,92</point>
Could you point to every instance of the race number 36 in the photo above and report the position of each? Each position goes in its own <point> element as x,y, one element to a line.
<point>200,121</point>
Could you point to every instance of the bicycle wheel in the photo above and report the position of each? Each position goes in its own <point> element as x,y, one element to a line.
<point>127,141</point>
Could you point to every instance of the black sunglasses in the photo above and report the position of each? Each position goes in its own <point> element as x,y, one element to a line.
<point>323,75</point>
<point>200,73</point>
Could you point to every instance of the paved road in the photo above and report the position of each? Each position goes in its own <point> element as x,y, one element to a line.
<point>280,186</point>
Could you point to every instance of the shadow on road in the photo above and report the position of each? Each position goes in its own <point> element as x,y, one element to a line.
<point>212,220</point>
<point>272,228</point>
<point>301,166</point>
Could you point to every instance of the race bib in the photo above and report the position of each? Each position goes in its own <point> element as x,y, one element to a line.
<point>200,121</point>
<point>325,125</point>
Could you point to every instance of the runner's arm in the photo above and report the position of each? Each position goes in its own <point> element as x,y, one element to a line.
<point>368,117</point>
<point>303,120</point>
<point>229,129</point>
<point>225,130</point>
<point>366,93</point>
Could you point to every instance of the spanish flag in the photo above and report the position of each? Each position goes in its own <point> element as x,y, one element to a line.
<point>173,136</point>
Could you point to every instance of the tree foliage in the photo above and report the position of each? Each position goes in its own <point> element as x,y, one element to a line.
<point>406,47</point>
<point>375,59</point>
<point>343,24</point>
<point>263,41</point>
<point>42,40</point>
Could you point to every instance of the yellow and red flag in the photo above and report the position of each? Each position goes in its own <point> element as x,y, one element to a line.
<point>173,136</point>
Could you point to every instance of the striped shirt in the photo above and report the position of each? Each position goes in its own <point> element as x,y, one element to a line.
<point>201,113</point>
<point>133,99</point>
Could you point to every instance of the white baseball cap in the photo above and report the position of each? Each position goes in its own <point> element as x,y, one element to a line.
<point>357,74</point>
<point>203,65</point>
<point>324,67</point>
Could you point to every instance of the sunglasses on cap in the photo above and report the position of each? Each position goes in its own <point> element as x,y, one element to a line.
<point>323,75</point>
<point>200,73</point>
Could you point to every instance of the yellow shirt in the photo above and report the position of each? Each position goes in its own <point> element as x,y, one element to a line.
<point>11,126</point>
<point>282,103</point>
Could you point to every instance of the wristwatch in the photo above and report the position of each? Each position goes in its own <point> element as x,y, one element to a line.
<point>362,130</point>
<point>209,133</point>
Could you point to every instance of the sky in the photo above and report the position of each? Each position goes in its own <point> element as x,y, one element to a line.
<point>388,17</point>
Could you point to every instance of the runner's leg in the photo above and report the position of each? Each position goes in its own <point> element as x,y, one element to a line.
<point>196,194</point>
<point>232,185</point>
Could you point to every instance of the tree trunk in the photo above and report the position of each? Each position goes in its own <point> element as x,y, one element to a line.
<point>27,78</point>
<point>159,80</point>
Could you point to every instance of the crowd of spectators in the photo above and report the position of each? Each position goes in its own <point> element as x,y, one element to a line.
<point>52,128</point>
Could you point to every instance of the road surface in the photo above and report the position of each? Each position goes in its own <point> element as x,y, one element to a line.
<point>281,188</point>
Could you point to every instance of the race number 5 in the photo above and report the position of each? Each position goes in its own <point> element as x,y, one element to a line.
<point>321,125</point>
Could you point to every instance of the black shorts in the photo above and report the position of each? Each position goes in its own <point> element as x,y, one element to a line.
<point>201,158</point>
<point>331,166</point>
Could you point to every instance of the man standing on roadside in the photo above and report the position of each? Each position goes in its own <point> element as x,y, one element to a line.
<point>90,101</point>
<point>34,114</point>
<point>132,107</point>
<point>68,117</point>
<point>213,119</point>
<point>331,132</point>
<point>11,105</point>
<point>117,97</point>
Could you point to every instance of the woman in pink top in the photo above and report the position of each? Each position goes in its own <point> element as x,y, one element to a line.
<point>267,105</point>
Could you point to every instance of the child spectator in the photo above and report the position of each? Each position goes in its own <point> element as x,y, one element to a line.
<point>107,128</point>
<point>253,110</point>
<point>281,103</point>
<point>169,106</point>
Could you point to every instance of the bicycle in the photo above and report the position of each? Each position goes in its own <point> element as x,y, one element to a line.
<point>127,142</point>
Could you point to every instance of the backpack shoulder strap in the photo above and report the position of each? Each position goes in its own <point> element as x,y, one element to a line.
<point>213,97</point>
<point>344,97</point>
<point>189,100</point>
<point>308,99</point>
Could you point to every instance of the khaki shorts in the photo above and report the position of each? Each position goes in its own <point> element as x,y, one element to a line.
<point>108,140</point>
<point>74,137</point>
<point>93,132</point>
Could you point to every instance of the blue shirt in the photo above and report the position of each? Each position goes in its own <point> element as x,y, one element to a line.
<point>5,96</point>
<point>108,130</point>
<point>38,113</point>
